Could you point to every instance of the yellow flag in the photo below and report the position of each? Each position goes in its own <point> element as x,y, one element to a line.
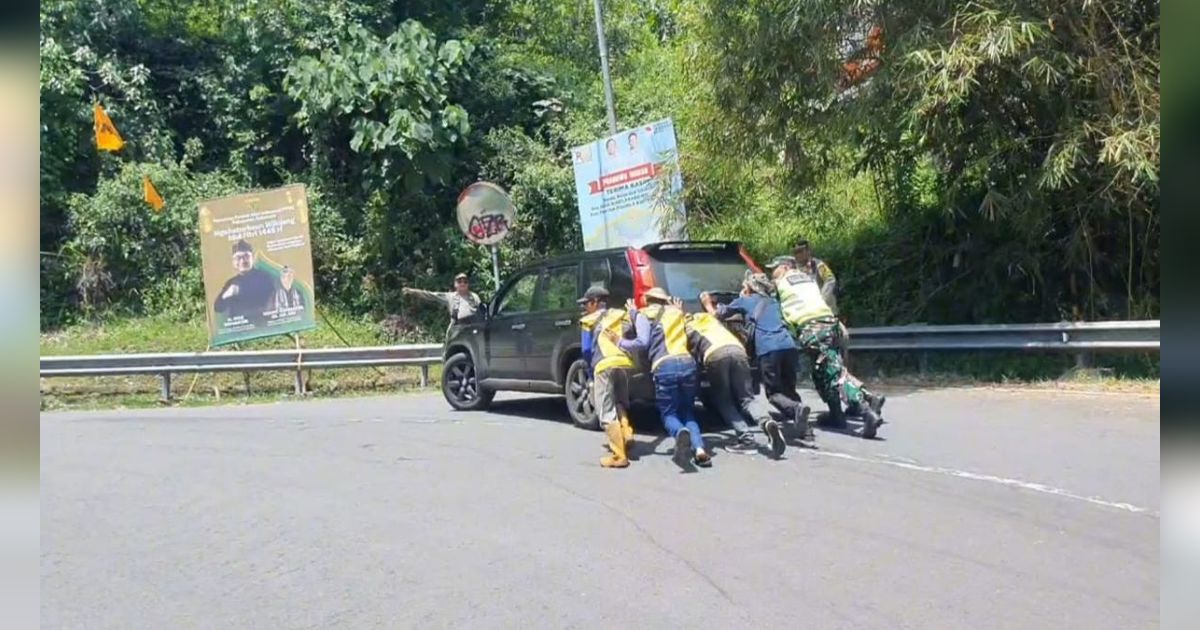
<point>151,195</point>
<point>107,138</point>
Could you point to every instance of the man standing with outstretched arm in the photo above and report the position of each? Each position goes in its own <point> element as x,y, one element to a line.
<point>461,302</point>
<point>609,366</point>
<point>778,356</point>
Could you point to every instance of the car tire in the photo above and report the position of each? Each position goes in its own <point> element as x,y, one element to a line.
<point>460,385</point>
<point>577,391</point>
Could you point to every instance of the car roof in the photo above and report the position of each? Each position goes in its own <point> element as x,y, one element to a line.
<point>600,253</point>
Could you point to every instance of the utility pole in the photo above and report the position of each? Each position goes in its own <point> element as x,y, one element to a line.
<point>608,90</point>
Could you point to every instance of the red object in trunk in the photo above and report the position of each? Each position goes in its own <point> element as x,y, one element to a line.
<point>643,274</point>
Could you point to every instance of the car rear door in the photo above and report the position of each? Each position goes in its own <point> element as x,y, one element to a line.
<point>508,340</point>
<point>685,270</point>
<point>554,321</point>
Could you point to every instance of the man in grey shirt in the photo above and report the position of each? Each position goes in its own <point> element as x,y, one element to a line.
<point>461,302</point>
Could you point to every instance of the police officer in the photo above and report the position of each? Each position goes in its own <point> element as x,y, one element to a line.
<point>461,302</point>
<point>818,269</point>
<point>817,333</point>
<point>778,356</point>
<point>731,383</point>
<point>609,367</point>
<point>661,329</point>
<point>815,267</point>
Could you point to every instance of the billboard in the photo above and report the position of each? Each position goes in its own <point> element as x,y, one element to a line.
<point>629,188</point>
<point>258,273</point>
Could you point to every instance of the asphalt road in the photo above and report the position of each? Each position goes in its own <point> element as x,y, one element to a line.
<point>978,509</point>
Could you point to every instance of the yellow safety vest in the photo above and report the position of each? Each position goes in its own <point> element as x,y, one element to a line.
<point>800,298</point>
<point>672,321</point>
<point>713,332</point>
<point>611,355</point>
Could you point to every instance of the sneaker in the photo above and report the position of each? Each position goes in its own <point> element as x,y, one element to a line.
<point>683,448</point>
<point>702,458</point>
<point>775,438</point>
<point>802,413</point>
<point>744,444</point>
<point>806,430</point>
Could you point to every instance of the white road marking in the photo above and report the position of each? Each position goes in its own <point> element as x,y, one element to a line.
<point>1004,481</point>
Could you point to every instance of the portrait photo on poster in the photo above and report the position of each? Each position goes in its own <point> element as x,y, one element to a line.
<point>257,264</point>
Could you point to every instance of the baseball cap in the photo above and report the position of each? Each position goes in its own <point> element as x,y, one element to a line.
<point>462,276</point>
<point>782,260</point>
<point>593,293</point>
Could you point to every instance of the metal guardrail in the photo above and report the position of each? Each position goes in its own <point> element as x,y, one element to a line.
<point>166,364</point>
<point>1082,339</point>
<point>1076,337</point>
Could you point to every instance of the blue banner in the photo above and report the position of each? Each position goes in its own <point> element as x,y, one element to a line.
<point>629,188</point>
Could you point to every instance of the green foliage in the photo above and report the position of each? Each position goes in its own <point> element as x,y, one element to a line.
<point>1001,164</point>
<point>126,254</point>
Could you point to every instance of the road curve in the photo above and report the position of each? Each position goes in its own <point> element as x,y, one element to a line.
<point>979,508</point>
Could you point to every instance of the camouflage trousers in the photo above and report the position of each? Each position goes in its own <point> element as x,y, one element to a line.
<point>820,341</point>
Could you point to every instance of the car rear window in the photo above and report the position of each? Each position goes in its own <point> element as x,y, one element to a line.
<point>685,273</point>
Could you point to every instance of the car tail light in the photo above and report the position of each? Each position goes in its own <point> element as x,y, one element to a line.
<point>643,274</point>
<point>749,260</point>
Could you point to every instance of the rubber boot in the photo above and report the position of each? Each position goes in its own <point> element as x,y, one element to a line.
<point>616,444</point>
<point>870,423</point>
<point>836,417</point>
<point>626,427</point>
<point>876,402</point>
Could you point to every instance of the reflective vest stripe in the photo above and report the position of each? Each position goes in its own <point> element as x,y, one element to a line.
<point>671,320</point>
<point>800,298</point>
<point>714,333</point>
<point>611,355</point>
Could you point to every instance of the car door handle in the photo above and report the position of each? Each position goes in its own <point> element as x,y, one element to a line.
<point>562,323</point>
<point>520,326</point>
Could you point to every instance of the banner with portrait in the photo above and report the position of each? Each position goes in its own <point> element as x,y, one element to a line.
<point>257,261</point>
<point>629,188</point>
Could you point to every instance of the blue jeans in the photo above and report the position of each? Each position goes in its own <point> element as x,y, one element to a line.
<point>676,382</point>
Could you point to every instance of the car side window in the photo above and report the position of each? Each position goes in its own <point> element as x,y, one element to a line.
<point>519,297</point>
<point>596,273</point>
<point>560,289</point>
<point>612,273</point>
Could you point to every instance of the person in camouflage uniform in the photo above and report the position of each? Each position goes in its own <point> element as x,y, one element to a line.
<point>819,337</point>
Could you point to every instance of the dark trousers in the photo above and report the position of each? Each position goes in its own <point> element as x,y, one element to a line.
<point>732,389</point>
<point>779,380</point>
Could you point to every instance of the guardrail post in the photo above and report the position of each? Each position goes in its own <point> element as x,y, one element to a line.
<point>166,387</point>
<point>424,376</point>
<point>1083,360</point>
<point>299,382</point>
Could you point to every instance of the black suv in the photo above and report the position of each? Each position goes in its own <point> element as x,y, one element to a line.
<point>527,338</point>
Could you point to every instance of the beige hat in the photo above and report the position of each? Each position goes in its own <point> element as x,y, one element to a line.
<point>657,294</point>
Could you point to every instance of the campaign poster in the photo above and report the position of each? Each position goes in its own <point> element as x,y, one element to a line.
<point>258,273</point>
<point>629,188</point>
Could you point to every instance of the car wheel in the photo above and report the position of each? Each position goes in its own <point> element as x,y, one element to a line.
<point>460,385</point>
<point>578,393</point>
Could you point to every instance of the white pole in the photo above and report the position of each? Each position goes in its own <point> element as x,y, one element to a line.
<point>496,265</point>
